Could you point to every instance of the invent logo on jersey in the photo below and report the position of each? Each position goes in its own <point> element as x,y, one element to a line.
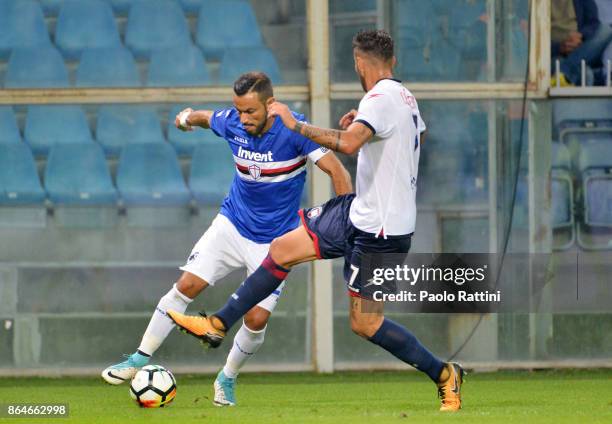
<point>259,157</point>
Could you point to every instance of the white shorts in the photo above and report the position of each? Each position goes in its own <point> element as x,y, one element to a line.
<point>222,250</point>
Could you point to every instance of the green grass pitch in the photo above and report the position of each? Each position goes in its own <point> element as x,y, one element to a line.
<point>348,397</point>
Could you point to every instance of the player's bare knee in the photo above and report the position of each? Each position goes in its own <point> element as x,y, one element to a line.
<point>278,253</point>
<point>190,285</point>
<point>256,319</point>
<point>366,325</point>
<point>360,328</point>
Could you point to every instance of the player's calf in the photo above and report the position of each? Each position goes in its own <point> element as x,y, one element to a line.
<point>366,317</point>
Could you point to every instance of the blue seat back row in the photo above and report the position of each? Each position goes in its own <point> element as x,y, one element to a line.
<point>147,175</point>
<point>116,126</point>
<point>151,24</point>
<point>43,67</point>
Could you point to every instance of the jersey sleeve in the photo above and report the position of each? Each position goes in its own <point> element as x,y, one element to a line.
<point>371,112</point>
<point>421,127</point>
<point>307,147</point>
<point>218,121</point>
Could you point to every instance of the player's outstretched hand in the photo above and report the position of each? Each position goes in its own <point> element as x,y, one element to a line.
<point>282,110</point>
<point>347,119</point>
<point>181,120</point>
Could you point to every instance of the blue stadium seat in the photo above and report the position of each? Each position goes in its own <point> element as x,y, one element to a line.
<point>107,67</point>
<point>19,182</point>
<point>149,175</point>
<point>77,174</point>
<point>36,67</point>
<point>185,142</point>
<point>595,152</point>
<point>562,192</point>
<point>240,60</point>
<point>561,203</point>
<point>9,131</point>
<point>85,24</point>
<point>52,7</point>
<point>561,158</point>
<point>121,6</point>
<point>22,24</point>
<point>215,33</point>
<point>120,125</point>
<point>212,172</point>
<point>570,131</point>
<point>581,109</point>
<point>49,125</point>
<point>156,24</point>
<point>192,6</point>
<point>172,67</point>
<point>595,164</point>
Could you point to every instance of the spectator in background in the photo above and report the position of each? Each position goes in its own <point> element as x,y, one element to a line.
<point>605,16</point>
<point>576,35</point>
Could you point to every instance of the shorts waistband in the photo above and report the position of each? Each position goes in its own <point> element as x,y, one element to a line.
<point>393,237</point>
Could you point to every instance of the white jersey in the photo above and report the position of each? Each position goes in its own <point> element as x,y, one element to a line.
<point>387,166</point>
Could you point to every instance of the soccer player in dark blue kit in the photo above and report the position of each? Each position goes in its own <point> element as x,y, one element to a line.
<point>380,218</point>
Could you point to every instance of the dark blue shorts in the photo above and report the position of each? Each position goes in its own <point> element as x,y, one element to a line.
<point>334,236</point>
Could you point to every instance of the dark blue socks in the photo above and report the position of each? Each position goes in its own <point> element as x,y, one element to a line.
<point>402,344</point>
<point>253,290</point>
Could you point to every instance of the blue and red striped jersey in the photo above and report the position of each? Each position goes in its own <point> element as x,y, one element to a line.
<point>270,174</point>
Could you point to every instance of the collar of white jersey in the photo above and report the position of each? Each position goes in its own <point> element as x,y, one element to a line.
<point>389,78</point>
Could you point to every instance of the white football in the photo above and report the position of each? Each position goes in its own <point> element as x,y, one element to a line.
<point>153,386</point>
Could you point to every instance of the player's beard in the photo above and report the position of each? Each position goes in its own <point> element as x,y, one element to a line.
<point>255,130</point>
<point>259,128</point>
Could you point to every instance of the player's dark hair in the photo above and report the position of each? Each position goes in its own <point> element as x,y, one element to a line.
<point>377,43</point>
<point>257,82</point>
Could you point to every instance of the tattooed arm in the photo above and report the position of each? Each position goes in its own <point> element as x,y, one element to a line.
<point>347,141</point>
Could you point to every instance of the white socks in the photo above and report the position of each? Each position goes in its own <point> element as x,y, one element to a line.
<point>160,325</point>
<point>246,343</point>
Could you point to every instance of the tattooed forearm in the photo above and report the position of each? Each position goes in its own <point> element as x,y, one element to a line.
<point>325,137</point>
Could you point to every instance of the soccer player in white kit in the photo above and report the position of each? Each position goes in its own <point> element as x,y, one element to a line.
<point>262,204</point>
<point>380,218</point>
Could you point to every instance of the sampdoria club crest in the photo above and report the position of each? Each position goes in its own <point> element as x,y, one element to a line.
<point>255,171</point>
